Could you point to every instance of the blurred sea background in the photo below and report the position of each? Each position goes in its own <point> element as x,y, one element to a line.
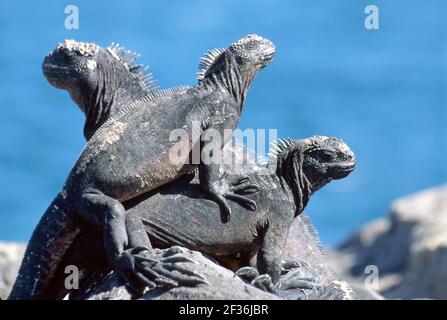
<point>382,91</point>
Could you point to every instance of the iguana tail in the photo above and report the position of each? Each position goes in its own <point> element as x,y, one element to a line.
<point>50,241</point>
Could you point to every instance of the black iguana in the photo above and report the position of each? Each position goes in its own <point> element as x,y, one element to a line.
<point>303,166</point>
<point>101,81</point>
<point>307,241</point>
<point>130,155</point>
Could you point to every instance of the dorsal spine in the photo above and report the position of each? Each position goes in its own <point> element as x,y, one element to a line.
<point>205,62</point>
<point>127,58</point>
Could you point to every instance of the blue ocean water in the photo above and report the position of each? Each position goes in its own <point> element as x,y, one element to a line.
<point>382,91</point>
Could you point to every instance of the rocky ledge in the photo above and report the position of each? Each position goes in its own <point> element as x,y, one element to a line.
<point>409,248</point>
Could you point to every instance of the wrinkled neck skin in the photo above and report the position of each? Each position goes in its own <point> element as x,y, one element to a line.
<point>293,180</point>
<point>105,98</point>
<point>229,76</point>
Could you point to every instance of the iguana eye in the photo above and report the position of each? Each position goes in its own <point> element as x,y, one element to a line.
<point>326,156</point>
<point>251,45</point>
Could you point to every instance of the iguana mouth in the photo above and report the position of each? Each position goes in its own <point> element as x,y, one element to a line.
<point>268,52</point>
<point>267,56</point>
<point>343,169</point>
<point>50,67</point>
<point>54,72</point>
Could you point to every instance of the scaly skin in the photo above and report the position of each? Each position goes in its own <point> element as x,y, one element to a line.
<point>129,155</point>
<point>303,166</point>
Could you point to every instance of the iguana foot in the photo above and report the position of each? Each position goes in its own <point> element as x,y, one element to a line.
<point>297,282</point>
<point>300,283</point>
<point>129,267</point>
<point>247,273</point>
<point>142,270</point>
<point>251,275</point>
<point>232,188</point>
<point>173,265</point>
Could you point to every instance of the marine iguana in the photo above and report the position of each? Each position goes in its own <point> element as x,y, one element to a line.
<point>99,80</point>
<point>303,167</point>
<point>129,155</point>
<point>307,241</point>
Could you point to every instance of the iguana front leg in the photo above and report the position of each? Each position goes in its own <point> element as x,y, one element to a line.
<point>273,273</point>
<point>219,186</point>
<point>268,269</point>
<point>298,280</point>
<point>269,254</point>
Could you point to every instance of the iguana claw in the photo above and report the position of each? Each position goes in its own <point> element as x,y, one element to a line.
<point>298,279</point>
<point>244,188</point>
<point>172,251</point>
<point>243,201</point>
<point>142,270</point>
<point>289,264</point>
<point>177,258</point>
<point>247,273</point>
<point>182,276</point>
<point>129,268</point>
<point>251,275</point>
<point>264,282</point>
<point>298,276</point>
<point>233,189</point>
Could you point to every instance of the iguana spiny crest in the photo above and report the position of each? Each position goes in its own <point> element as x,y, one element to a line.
<point>84,48</point>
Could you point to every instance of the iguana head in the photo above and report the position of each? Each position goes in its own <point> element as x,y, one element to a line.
<point>236,66</point>
<point>73,63</point>
<point>253,51</point>
<point>309,164</point>
<point>98,79</point>
<point>326,159</point>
